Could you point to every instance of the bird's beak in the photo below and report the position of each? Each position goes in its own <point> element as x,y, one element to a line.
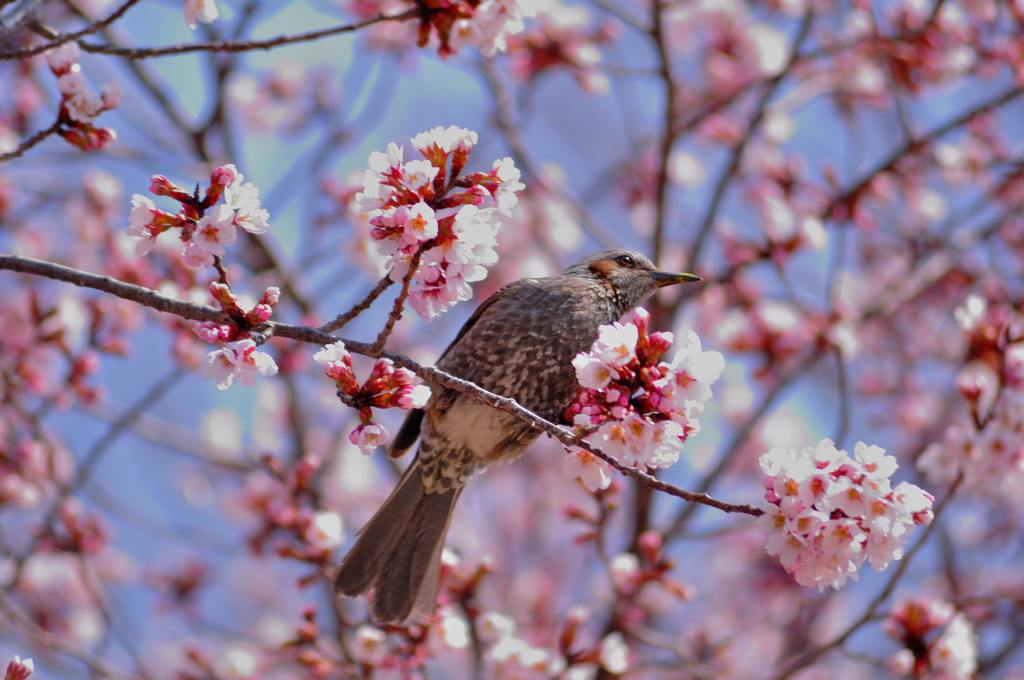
<point>663,279</point>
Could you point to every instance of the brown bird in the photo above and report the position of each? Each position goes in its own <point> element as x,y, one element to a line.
<point>519,343</point>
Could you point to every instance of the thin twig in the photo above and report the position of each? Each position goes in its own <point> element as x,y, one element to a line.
<point>92,458</point>
<point>31,141</point>
<point>399,304</point>
<point>245,45</point>
<point>43,637</point>
<point>739,438</point>
<point>26,52</point>
<point>736,157</point>
<point>853,192</point>
<point>342,320</point>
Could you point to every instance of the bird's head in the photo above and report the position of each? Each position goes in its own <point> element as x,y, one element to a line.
<point>631,275</point>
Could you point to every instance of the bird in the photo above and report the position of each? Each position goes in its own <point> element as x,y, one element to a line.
<point>519,343</point>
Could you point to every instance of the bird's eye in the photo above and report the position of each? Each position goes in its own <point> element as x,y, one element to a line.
<point>626,261</point>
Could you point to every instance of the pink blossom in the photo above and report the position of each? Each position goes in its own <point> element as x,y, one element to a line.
<point>419,202</point>
<point>492,627</point>
<point>111,95</point>
<point>445,140</point>
<point>826,513</point>
<point>589,470</point>
<point>614,654</point>
<point>325,531</point>
<point>83,107</point>
<point>949,655</point>
<point>403,228</point>
<point>73,82</point>
<point>337,365</point>
<point>61,58</point>
<point>416,397</point>
<point>368,437</point>
<point>507,174</point>
<point>244,199</point>
<point>140,224</point>
<point>215,230</point>
<point>450,631</point>
<point>591,371</point>
<point>643,408</point>
<point>513,659</point>
<point>369,645</point>
<point>954,654</point>
<point>240,360</point>
<point>200,11</point>
<point>491,25</point>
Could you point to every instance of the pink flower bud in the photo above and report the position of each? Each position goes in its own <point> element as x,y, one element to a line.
<point>649,543</point>
<point>88,363</point>
<point>61,59</point>
<point>18,669</point>
<point>111,95</point>
<point>271,296</point>
<point>224,175</point>
<point>260,314</point>
<point>161,186</point>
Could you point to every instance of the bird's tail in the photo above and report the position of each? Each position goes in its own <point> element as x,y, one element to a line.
<point>398,552</point>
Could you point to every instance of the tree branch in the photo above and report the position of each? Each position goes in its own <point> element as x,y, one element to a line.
<point>26,52</point>
<point>149,298</point>
<point>245,45</point>
<point>31,141</point>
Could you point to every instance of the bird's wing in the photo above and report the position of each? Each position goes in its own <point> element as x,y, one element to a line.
<point>410,429</point>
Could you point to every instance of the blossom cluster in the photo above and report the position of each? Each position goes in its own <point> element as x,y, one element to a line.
<point>643,408</point>
<point>426,207</point>
<point>282,499</point>
<point>563,36</point>
<point>237,355</point>
<point>79,105</point>
<point>386,387</point>
<point>285,97</point>
<point>988,452</point>
<point>937,641</point>
<point>484,24</point>
<point>826,512</point>
<point>207,224</point>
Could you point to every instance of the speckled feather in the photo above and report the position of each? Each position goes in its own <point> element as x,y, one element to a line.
<point>521,346</point>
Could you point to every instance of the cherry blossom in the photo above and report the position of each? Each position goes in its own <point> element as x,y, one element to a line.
<point>826,512</point>
<point>369,645</point>
<point>938,642</point>
<point>484,24</point>
<point>987,452</point>
<point>325,531</point>
<point>643,409</point>
<point>80,106</point>
<point>846,177</point>
<point>213,231</point>
<point>386,387</point>
<point>207,225</point>
<point>200,12</point>
<point>239,359</point>
<point>592,472</point>
<point>562,36</point>
<point>427,208</point>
